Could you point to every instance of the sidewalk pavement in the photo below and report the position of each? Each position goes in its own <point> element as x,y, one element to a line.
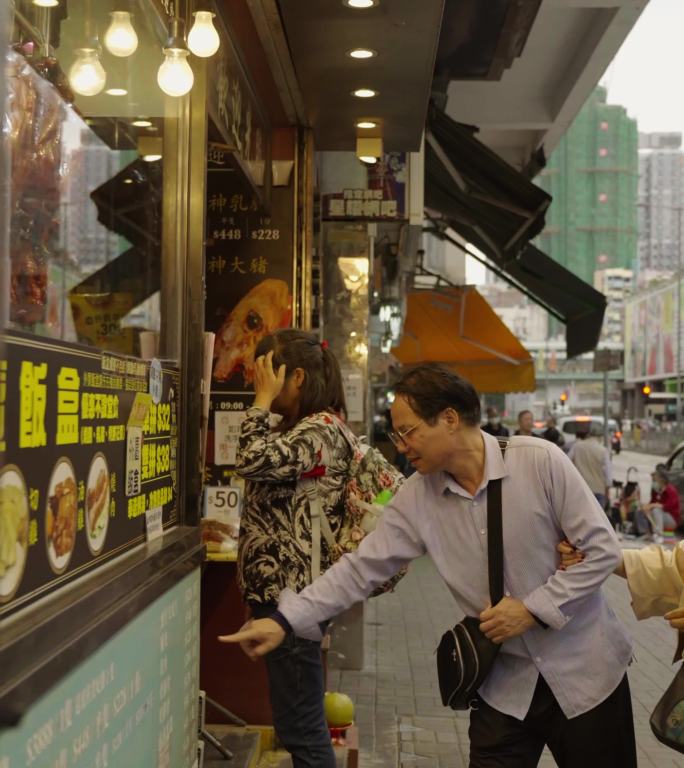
<point>401,719</point>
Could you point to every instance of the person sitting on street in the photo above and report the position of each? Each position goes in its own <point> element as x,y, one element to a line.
<point>662,513</point>
<point>494,425</point>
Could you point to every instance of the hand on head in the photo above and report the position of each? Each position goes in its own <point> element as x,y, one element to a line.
<point>268,383</point>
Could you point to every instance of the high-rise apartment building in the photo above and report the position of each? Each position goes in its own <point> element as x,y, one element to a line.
<point>592,176</point>
<point>661,197</point>
<point>616,285</point>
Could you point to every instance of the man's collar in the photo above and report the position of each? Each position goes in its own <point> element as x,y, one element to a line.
<point>494,469</point>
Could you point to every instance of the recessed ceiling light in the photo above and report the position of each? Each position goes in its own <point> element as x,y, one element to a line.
<point>359,4</point>
<point>151,158</point>
<point>366,124</point>
<point>362,53</point>
<point>128,181</point>
<point>368,159</point>
<point>365,93</point>
<point>46,3</point>
<point>116,91</point>
<point>142,123</point>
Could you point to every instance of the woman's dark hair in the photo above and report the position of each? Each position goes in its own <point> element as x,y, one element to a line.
<point>322,388</point>
<point>431,388</point>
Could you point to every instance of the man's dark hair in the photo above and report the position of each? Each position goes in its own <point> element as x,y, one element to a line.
<point>431,388</point>
<point>522,413</point>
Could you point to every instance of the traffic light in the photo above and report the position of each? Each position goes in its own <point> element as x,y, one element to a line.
<point>646,390</point>
<point>564,397</point>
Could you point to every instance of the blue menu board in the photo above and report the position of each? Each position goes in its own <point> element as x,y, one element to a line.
<point>132,703</point>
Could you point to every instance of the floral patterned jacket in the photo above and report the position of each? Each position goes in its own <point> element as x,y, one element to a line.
<point>274,549</point>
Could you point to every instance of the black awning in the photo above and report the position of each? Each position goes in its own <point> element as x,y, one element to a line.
<point>564,295</point>
<point>493,206</point>
<point>489,202</point>
<point>576,303</point>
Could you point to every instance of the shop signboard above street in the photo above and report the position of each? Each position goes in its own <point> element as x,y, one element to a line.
<point>237,112</point>
<point>249,284</point>
<point>381,198</point>
<point>607,360</point>
<point>86,454</point>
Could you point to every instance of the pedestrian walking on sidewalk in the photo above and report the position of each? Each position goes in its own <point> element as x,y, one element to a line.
<point>560,678</point>
<point>593,462</point>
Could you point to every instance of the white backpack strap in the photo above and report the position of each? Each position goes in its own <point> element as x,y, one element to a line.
<point>319,523</point>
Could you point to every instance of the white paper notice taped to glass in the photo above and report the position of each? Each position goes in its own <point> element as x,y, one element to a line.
<point>134,439</point>
<point>153,523</point>
<point>226,434</point>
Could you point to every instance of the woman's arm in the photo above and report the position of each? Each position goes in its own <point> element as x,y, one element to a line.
<point>572,556</point>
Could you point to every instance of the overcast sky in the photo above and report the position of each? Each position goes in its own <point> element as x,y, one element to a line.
<point>646,76</point>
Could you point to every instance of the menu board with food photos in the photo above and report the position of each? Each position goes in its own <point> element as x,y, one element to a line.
<point>249,276</point>
<point>86,451</point>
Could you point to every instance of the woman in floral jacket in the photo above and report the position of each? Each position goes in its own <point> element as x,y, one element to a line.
<point>297,378</point>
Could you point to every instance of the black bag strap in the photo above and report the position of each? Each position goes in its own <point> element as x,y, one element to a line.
<point>495,552</point>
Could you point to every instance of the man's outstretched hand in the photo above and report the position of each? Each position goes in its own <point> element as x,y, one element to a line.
<point>257,637</point>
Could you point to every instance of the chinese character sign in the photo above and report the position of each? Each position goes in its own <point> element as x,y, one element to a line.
<point>383,198</point>
<point>249,265</point>
<point>86,453</point>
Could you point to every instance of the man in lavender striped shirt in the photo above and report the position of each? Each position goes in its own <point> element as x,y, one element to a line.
<point>560,678</point>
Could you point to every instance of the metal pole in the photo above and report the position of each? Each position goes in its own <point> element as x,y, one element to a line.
<point>5,176</point>
<point>678,414</point>
<point>606,434</point>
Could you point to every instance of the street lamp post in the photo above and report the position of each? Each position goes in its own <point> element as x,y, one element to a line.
<point>678,314</point>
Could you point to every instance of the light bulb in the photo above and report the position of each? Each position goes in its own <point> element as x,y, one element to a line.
<point>120,38</point>
<point>46,3</point>
<point>87,75</point>
<point>175,77</point>
<point>203,39</point>
<point>369,159</point>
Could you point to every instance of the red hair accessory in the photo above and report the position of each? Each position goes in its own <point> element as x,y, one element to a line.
<point>324,344</point>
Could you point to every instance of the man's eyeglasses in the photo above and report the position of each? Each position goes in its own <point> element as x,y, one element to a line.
<point>399,438</point>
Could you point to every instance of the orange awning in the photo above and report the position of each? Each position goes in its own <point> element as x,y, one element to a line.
<point>457,326</point>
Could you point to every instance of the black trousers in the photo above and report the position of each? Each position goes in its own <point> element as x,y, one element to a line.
<point>600,738</point>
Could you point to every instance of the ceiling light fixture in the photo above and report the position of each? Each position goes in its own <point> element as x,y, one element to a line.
<point>141,123</point>
<point>364,93</point>
<point>150,148</point>
<point>368,150</point>
<point>116,91</point>
<point>46,3</point>
<point>175,76</point>
<point>366,124</point>
<point>360,4</point>
<point>203,39</point>
<point>86,74</point>
<point>362,53</point>
<point>120,38</point>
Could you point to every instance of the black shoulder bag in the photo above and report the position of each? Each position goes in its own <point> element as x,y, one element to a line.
<point>667,720</point>
<point>465,656</point>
